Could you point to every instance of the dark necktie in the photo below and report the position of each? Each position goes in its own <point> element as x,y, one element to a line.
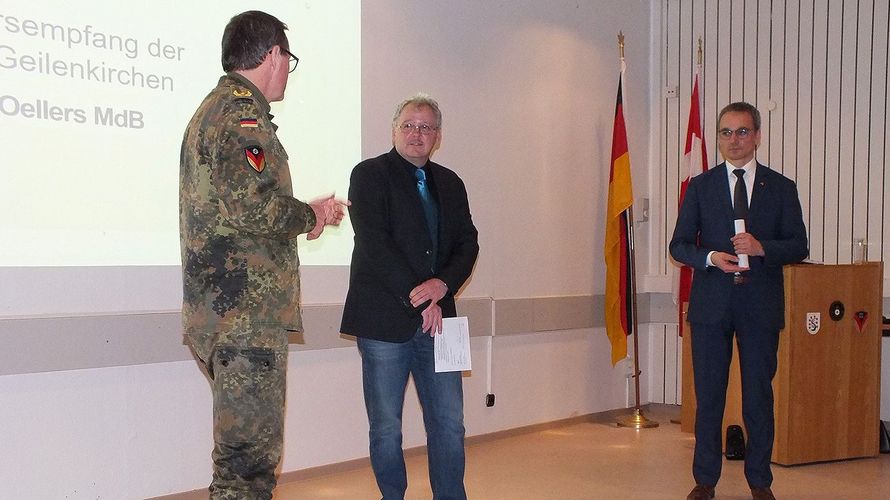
<point>429,211</point>
<point>740,196</point>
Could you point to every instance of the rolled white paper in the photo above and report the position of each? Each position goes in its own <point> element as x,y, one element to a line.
<point>739,229</point>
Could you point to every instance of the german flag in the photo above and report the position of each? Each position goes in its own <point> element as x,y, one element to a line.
<point>619,269</point>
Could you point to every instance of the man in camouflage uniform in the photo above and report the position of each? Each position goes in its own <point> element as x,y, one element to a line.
<point>238,227</point>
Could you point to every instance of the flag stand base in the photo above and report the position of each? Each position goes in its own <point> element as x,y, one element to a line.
<point>637,421</point>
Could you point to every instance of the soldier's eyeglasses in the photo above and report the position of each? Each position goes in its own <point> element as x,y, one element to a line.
<point>292,62</point>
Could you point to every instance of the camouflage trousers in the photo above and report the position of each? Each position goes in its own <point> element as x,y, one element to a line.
<point>248,386</point>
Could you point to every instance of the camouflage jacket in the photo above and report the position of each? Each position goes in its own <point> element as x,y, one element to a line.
<point>238,218</point>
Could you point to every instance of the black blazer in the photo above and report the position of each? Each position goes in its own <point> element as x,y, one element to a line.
<point>705,224</point>
<point>392,252</point>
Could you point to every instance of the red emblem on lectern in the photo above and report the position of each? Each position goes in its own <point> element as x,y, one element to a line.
<point>861,318</point>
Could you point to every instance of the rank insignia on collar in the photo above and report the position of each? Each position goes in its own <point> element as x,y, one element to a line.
<point>241,93</point>
<point>249,122</point>
<point>256,158</point>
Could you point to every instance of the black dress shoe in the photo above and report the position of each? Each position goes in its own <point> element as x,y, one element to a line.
<point>762,494</point>
<point>701,492</point>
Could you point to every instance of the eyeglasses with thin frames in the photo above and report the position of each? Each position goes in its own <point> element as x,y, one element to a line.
<point>425,129</point>
<point>741,133</point>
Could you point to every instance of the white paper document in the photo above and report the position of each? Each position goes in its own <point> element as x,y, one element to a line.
<point>739,229</point>
<point>452,346</point>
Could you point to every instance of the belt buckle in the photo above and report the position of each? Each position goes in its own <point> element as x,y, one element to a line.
<point>739,279</point>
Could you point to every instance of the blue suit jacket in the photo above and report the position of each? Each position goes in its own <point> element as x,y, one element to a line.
<point>393,249</point>
<point>705,224</point>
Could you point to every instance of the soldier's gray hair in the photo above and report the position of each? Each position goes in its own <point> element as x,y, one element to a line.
<point>417,100</point>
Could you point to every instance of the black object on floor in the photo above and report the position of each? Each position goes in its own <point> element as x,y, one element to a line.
<point>735,443</point>
<point>885,438</point>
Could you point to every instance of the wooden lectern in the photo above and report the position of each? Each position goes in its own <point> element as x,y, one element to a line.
<point>827,387</point>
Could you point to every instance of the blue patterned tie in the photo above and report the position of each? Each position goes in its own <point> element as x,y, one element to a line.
<point>429,210</point>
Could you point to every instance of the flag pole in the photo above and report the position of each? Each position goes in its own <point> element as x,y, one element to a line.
<point>696,156</point>
<point>699,53</point>
<point>637,420</point>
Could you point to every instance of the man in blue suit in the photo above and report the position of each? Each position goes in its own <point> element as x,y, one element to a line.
<point>739,223</point>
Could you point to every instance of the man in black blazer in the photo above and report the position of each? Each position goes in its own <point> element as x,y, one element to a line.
<point>729,297</point>
<point>415,246</point>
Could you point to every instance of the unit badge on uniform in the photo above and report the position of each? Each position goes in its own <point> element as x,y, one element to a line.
<point>256,157</point>
<point>248,122</point>
<point>814,322</point>
<point>241,93</point>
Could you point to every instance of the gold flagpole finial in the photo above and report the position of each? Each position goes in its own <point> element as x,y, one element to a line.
<point>700,52</point>
<point>621,45</point>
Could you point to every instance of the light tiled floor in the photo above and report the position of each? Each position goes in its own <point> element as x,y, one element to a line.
<point>597,460</point>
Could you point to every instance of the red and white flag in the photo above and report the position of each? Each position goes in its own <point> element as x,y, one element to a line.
<point>696,159</point>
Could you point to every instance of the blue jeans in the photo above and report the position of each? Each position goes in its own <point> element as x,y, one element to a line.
<point>385,369</point>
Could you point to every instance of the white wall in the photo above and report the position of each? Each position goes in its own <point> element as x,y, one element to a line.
<point>125,432</point>
<point>818,72</point>
<point>145,430</point>
<point>528,91</point>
